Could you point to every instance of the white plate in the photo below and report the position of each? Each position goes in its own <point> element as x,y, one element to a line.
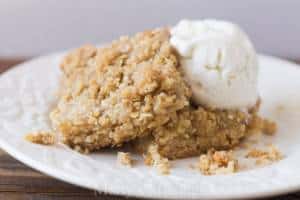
<point>27,93</point>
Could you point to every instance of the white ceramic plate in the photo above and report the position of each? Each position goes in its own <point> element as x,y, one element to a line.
<point>27,93</point>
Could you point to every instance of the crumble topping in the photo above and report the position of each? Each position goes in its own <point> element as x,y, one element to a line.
<point>217,162</point>
<point>134,88</point>
<point>41,137</point>
<point>119,92</point>
<point>125,159</point>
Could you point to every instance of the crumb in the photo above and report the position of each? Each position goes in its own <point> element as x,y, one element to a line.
<point>41,137</point>
<point>259,124</point>
<point>255,153</point>
<point>217,162</point>
<point>153,158</point>
<point>125,159</point>
<point>269,127</point>
<point>264,157</point>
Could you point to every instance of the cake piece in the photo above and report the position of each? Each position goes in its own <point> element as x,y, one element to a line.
<point>120,92</point>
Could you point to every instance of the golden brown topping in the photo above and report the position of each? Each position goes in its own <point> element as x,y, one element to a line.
<point>119,92</point>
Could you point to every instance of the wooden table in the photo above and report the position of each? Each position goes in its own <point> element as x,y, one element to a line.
<point>19,182</point>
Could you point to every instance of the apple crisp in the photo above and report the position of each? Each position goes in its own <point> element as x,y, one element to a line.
<point>133,90</point>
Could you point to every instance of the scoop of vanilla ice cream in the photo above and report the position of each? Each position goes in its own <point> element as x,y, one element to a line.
<point>219,63</point>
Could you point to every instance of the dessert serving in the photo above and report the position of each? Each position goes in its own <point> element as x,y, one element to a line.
<point>178,92</point>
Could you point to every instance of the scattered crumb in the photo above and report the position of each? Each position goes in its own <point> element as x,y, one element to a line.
<point>217,162</point>
<point>269,127</point>
<point>41,137</point>
<point>261,125</point>
<point>154,159</point>
<point>255,153</point>
<point>125,159</point>
<point>264,157</point>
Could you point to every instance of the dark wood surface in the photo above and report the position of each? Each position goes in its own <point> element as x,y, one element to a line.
<point>19,182</point>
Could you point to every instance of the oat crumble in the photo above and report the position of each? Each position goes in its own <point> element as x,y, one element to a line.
<point>120,92</point>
